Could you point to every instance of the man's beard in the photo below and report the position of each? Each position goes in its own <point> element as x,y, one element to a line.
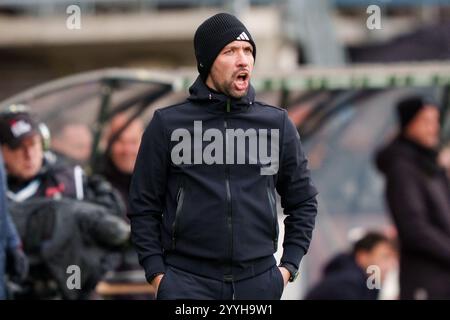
<point>226,87</point>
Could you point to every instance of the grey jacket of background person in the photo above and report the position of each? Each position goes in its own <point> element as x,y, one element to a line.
<point>9,239</point>
<point>418,196</point>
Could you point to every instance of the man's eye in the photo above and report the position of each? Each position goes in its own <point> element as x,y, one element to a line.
<point>228,52</point>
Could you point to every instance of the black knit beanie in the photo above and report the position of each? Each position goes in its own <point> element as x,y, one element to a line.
<point>408,108</point>
<point>214,34</point>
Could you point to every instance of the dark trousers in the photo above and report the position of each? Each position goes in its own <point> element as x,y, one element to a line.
<point>179,284</point>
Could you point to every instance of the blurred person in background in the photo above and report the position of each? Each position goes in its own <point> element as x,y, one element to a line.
<point>61,214</point>
<point>418,196</point>
<point>124,138</point>
<point>33,171</point>
<point>12,259</point>
<point>346,276</point>
<point>122,149</point>
<point>73,142</point>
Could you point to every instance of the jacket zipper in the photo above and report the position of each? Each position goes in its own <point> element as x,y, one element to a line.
<point>180,199</point>
<point>227,184</point>
<point>274,217</point>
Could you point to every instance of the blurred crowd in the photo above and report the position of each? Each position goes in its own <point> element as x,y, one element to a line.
<point>54,214</point>
<point>417,196</point>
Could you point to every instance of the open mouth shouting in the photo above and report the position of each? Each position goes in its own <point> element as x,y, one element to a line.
<point>241,81</point>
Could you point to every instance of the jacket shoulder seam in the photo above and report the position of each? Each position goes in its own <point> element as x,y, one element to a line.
<point>162,109</point>
<point>269,106</point>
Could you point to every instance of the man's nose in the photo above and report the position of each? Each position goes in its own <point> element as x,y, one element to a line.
<point>242,59</point>
<point>28,152</point>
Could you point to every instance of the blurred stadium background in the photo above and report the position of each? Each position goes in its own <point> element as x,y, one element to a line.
<point>338,79</point>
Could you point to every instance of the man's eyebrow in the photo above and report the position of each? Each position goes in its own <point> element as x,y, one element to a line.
<point>244,46</point>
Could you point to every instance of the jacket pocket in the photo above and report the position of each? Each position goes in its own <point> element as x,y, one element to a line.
<point>178,212</point>
<point>161,282</point>
<point>280,281</point>
<point>272,203</point>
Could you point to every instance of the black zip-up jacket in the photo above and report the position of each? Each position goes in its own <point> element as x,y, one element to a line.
<point>219,220</point>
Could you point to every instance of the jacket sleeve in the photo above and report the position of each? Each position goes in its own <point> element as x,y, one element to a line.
<point>408,206</point>
<point>13,239</point>
<point>298,195</point>
<point>146,199</point>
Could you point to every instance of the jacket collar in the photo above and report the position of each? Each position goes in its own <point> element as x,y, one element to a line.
<point>424,157</point>
<point>219,102</point>
<point>404,148</point>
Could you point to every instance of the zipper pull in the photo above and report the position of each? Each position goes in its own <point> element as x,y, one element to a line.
<point>228,105</point>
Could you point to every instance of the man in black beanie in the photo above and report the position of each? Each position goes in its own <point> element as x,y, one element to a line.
<point>203,193</point>
<point>418,196</point>
<point>411,125</point>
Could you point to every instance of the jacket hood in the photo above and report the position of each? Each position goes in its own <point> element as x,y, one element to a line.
<point>201,93</point>
<point>385,155</point>
<point>404,149</point>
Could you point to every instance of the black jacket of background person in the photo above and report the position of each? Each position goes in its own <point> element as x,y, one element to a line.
<point>118,179</point>
<point>418,196</point>
<point>57,179</point>
<point>60,233</point>
<point>121,182</point>
<point>343,279</point>
<point>218,220</point>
